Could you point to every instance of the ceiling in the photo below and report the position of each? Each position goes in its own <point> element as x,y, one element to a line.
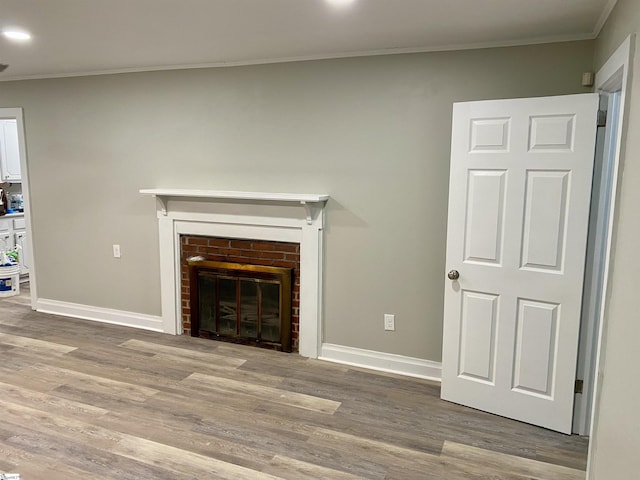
<point>73,37</point>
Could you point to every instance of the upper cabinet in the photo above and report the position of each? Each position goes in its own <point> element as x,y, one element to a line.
<point>9,152</point>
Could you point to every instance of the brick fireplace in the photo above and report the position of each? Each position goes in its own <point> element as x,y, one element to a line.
<point>246,252</point>
<point>289,218</point>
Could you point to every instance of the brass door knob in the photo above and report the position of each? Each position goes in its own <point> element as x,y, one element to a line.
<point>453,275</point>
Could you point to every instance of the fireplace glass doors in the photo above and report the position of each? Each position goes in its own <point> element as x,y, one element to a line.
<point>241,303</point>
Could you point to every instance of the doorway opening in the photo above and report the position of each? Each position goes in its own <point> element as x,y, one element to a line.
<point>18,226</point>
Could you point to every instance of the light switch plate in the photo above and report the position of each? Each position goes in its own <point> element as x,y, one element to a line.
<point>389,322</point>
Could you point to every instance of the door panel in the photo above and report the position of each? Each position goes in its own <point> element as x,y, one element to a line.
<point>478,336</point>
<point>535,347</point>
<point>518,212</point>
<point>551,133</point>
<point>485,210</point>
<point>545,214</point>
<point>489,135</point>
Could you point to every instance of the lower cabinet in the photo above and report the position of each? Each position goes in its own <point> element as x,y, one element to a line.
<point>7,239</point>
<point>12,234</point>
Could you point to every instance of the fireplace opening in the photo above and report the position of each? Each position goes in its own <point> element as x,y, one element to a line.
<point>241,303</point>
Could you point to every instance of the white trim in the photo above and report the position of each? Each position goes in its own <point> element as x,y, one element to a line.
<point>309,201</point>
<point>613,75</point>
<point>99,314</point>
<point>615,69</point>
<point>384,362</point>
<point>234,195</point>
<point>596,252</point>
<point>306,58</point>
<point>606,11</point>
<point>244,219</point>
<point>26,195</point>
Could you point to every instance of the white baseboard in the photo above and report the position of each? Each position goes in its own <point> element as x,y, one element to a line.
<point>99,314</point>
<point>385,362</point>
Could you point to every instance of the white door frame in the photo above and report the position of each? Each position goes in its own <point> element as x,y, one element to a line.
<point>596,253</point>
<point>612,77</point>
<point>16,113</point>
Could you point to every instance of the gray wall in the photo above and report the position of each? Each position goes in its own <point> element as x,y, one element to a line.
<point>372,132</point>
<point>617,438</point>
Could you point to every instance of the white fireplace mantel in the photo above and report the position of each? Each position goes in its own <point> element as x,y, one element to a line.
<point>243,215</point>
<point>305,199</point>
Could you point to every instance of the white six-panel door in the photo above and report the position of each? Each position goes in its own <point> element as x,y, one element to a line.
<point>519,196</point>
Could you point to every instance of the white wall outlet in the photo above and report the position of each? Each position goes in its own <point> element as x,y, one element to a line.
<point>116,251</point>
<point>389,322</point>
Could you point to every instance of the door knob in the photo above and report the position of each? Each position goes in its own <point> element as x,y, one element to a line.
<point>453,275</point>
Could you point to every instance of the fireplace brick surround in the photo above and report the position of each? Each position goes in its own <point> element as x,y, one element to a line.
<point>256,252</point>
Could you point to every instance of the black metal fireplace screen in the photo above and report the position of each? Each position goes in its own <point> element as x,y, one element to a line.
<point>241,303</point>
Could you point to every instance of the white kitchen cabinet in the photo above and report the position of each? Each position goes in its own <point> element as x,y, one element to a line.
<point>12,233</point>
<point>9,151</point>
<point>7,239</point>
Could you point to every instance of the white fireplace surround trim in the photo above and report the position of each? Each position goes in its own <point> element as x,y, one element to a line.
<point>307,200</point>
<point>243,215</point>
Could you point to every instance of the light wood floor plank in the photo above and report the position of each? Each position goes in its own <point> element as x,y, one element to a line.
<point>70,453</point>
<point>410,462</point>
<point>49,403</point>
<point>31,466</point>
<point>218,370</point>
<point>240,410</point>
<point>485,461</point>
<point>269,394</point>
<point>183,462</point>
<point>43,421</point>
<point>291,469</point>
<point>182,353</point>
<point>96,383</point>
<point>560,456</point>
<point>367,427</point>
<point>177,431</point>
<point>137,373</point>
<point>35,345</point>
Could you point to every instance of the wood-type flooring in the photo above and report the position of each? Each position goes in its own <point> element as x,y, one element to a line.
<point>88,401</point>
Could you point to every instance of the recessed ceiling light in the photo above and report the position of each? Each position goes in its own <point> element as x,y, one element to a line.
<point>18,35</point>
<point>340,3</point>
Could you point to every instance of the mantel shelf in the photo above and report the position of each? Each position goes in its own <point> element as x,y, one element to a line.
<point>304,199</point>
